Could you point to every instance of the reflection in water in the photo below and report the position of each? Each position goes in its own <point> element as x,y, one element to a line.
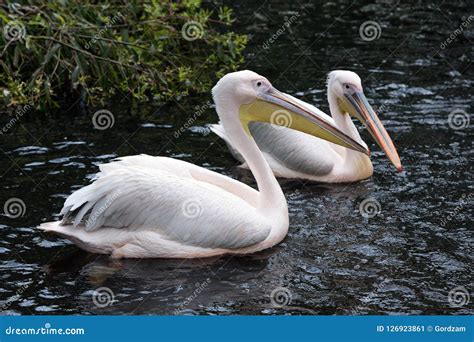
<point>405,259</point>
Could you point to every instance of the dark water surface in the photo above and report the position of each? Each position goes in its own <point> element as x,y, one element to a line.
<point>407,259</point>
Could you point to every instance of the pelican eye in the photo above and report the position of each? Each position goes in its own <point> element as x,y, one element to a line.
<point>259,83</point>
<point>348,89</point>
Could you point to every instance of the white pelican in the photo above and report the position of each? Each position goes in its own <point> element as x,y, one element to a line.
<point>143,206</point>
<point>292,154</point>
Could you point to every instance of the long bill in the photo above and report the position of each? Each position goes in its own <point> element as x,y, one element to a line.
<point>278,108</point>
<point>363,111</point>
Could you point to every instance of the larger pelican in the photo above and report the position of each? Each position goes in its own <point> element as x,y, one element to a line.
<point>143,206</point>
<point>293,154</point>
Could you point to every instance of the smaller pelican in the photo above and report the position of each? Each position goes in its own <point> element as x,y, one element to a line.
<point>143,206</point>
<point>292,154</point>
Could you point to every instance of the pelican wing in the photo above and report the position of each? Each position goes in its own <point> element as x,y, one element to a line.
<point>178,207</point>
<point>186,170</point>
<point>288,149</point>
<point>294,150</point>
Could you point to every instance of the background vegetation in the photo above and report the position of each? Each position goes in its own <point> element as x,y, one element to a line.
<point>69,50</point>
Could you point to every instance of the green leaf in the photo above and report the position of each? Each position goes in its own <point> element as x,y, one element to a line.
<point>112,47</point>
<point>75,76</point>
<point>51,53</point>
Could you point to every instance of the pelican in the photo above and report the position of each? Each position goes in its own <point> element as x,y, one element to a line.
<point>144,206</point>
<point>293,154</point>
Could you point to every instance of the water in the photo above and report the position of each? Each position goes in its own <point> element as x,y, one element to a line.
<point>405,260</point>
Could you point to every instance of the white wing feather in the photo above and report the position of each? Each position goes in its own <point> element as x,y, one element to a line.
<point>139,194</point>
<point>288,151</point>
<point>186,170</point>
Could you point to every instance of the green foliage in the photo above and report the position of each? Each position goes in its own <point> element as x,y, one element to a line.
<point>71,49</point>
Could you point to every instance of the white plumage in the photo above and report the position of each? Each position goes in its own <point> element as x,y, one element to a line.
<point>293,154</point>
<point>144,206</point>
<point>159,200</point>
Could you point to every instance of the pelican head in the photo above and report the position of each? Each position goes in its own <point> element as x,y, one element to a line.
<point>347,87</point>
<point>257,100</point>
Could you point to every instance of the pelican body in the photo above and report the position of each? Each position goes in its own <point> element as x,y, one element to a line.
<point>293,154</point>
<point>143,206</point>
